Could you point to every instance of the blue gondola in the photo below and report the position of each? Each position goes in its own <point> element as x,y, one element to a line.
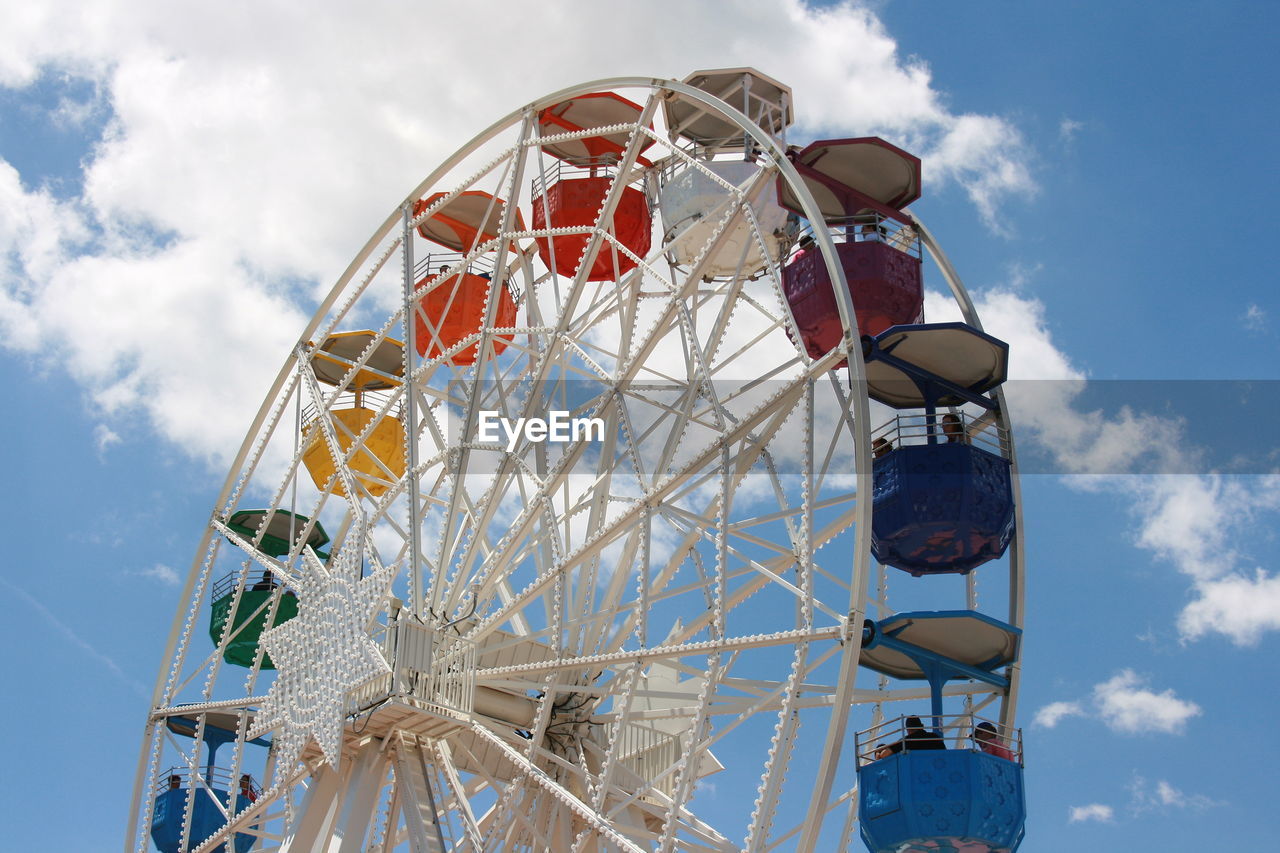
<point>208,790</point>
<point>965,793</point>
<point>941,508</point>
<point>943,491</point>
<point>206,816</point>
<point>949,801</point>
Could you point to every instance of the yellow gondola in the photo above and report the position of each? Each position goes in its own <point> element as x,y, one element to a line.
<point>379,461</point>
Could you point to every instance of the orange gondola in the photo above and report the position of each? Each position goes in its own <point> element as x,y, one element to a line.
<point>454,308</point>
<point>466,221</point>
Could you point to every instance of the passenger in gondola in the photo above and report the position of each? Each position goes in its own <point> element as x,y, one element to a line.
<point>175,782</point>
<point>266,583</point>
<point>918,737</point>
<point>881,447</point>
<point>953,429</point>
<point>869,228</point>
<point>989,742</point>
<point>246,788</point>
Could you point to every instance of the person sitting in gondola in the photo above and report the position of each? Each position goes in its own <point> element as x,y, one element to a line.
<point>989,742</point>
<point>918,737</point>
<point>266,583</point>
<point>869,227</point>
<point>246,788</point>
<point>175,782</point>
<point>953,429</point>
<point>881,447</point>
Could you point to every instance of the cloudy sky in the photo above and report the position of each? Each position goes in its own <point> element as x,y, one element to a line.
<point>179,183</point>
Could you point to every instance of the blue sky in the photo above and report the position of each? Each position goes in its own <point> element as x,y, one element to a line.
<point>1099,175</point>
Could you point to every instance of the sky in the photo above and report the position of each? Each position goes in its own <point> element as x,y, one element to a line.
<point>180,184</point>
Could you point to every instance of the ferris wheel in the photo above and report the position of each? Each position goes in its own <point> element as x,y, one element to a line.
<point>575,520</point>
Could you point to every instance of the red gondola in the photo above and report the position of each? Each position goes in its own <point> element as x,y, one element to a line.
<point>860,186</point>
<point>575,202</point>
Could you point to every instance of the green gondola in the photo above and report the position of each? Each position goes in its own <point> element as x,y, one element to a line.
<point>251,612</point>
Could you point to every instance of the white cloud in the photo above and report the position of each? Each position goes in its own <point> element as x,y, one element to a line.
<point>37,234</point>
<point>1193,523</point>
<point>986,154</point>
<point>76,112</point>
<point>1187,521</point>
<point>1126,705</point>
<point>1068,128</point>
<point>104,437</point>
<point>1168,794</point>
<point>1053,713</point>
<point>160,572</point>
<point>1046,384</point>
<point>1021,274</point>
<point>1093,811</point>
<point>1144,798</point>
<point>241,168</point>
<point>1254,318</point>
<point>1164,797</point>
<point>1237,606</point>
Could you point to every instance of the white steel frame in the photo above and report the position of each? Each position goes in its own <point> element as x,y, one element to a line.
<point>664,584</point>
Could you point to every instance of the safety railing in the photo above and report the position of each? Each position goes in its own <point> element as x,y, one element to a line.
<point>949,731</point>
<point>429,669</point>
<point>448,263</point>
<point>438,264</point>
<point>600,167</point>
<point>740,145</point>
<point>377,400</point>
<point>258,580</point>
<point>906,430</point>
<point>670,168</point>
<point>218,778</point>
<point>866,227</point>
